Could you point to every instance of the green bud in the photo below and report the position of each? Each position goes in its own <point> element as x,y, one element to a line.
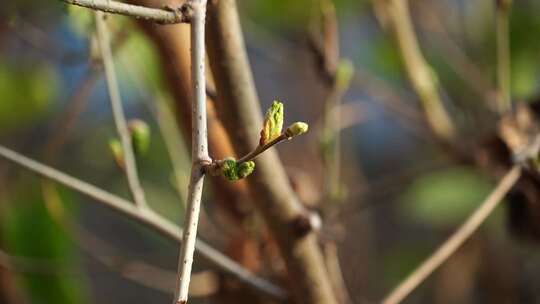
<point>296,128</point>
<point>229,169</point>
<point>140,136</point>
<point>234,171</point>
<point>246,168</point>
<point>344,74</point>
<point>117,152</point>
<point>273,123</point>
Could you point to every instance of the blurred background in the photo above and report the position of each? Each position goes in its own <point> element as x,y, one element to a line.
<point>396,194</point>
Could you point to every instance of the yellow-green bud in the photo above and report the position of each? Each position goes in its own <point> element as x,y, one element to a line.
<point>246,168</point>
<point>296,128</point>
<point>234,171</point>
<point>344,74</point>
<point>273,123</point>
<point>140,136</point>
<point>117,152</point>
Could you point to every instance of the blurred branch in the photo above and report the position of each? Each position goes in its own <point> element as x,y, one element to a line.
<point>199,150</point>
<point>240,111</point>
<point>422,77</point>
<point>177,151</point>
<point>75,105</point>
<point>163,16</point>
<point>503,54</point>
<point>118,113</point>
<point>454,55</point>
<point>22,264</point>
<point>447,249</point>
<point>336,275</point>
<point>146,217</point>
<point>137,270</point>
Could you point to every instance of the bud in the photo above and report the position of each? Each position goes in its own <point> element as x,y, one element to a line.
<point>273,123</point>
<point>344,74</point>
<point>296,128</point>
<point>140,136</point>
<point>245,169</point>
<point>229,169</point>
<point>234,171</point>
<point>117,152</point>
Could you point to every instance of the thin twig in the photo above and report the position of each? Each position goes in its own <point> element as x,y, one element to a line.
<point>146,217</point>
<point>503,55</point>
<point>162,16</point>
<point>199,150</point>
<point>456,240</point>
<point>118,113</point>
<point>260,149</point>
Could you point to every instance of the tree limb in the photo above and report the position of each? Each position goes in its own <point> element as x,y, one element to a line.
<point>162,16</point>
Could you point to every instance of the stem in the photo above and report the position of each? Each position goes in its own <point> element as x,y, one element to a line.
<point>446,250</point>
<point>114,7</point>
<point>260,149</point>
<point>118,113</point>
<point>503,55</point>
<point>199,150</point>
<point>420,74</point>
<point>146,217</point>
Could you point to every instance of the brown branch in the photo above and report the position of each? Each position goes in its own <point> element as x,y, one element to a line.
<point>239,109</point>
<point>459,237</point>
<point>162,16</point>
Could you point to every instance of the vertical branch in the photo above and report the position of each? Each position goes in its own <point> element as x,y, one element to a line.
<point>239,109</point>
<point>199,150</point>
<point>118,112</point>
<point>503,55</point>
<point>420,74</point>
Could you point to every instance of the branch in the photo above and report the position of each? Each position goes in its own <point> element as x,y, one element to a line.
<point>447,249</point>
<point>503,55</point>
<point>420,74</point>
<point>118,113</point>
<point>239,109</point>
<point>162,16</point>
<point>199,150</point>
<point>145,217</point>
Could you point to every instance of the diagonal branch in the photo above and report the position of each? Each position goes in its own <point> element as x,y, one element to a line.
<point>163,16</point>
<point>459,237</point>
<point>147,218</point>
<point>118,113</point>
